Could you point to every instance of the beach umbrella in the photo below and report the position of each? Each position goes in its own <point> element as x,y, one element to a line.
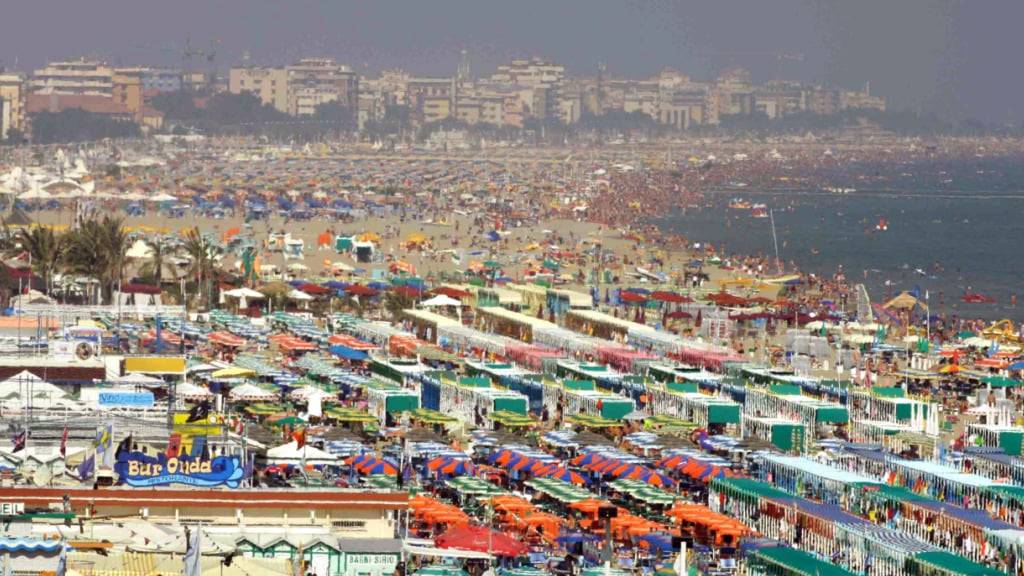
<point>659,479</point>
<point>566,475</point>
<point>523,463</point>
<point>457,468</point>
<point>671,461</point>
<point>631,297</point>
<point>500,457</point>
<point>654,541</point>
<point>1000,381</point>
<point>587,459</point>
<point>481,539</point>
<point>672,297</point>
<point>624,470</point>
<point>381,467</point>
<point>638,473</point>
<point>607,466</point>
<point>438,462</point>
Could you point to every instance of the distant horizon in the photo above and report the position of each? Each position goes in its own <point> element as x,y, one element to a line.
<point>953,58</point>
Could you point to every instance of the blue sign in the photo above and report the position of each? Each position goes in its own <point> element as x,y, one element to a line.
<point>130,399</point>
<point>142,470</point>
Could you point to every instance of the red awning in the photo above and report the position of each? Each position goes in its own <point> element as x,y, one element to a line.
<point>481,539</point>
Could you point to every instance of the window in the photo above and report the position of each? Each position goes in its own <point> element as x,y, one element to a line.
<point>349,525</point>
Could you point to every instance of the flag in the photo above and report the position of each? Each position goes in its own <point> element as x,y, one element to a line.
<point>62,562</point>
<point>86,468</point>
<point>198,446</point>
<point>104,438</point>
<point>198,412</point>
<point>193,556</point>
<point>124,447</point>
<point>173,445</point>
<point>300,438</point>
<point>64,442</point>
<point>19,441</point>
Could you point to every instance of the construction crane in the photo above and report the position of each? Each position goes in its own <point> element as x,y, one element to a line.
<point>187,54</point>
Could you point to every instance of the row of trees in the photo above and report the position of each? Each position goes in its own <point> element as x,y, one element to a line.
<point>76,125</point>
<point>226,113</point>
<point>97,248</point>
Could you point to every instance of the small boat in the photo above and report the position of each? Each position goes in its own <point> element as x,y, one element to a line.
<point>759,211</point>
<point>976,298</point>
<point>739,204</point>
<point>882,225</point>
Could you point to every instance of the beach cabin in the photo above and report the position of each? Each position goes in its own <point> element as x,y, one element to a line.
<point>514,325</point>
<point>786,435</point>
<point>602,325</point>
<point>402,371</point>
<point>820,419</point>
<point>471,342</point>
<point>425,324</point>
<point>508,375</point>
<point>472,399</point>
<point>682,373</point>
<point>487,296</point>
<point>604,376</point>
<point>363,252</point>
<point>293,248</point>
<point>385,400</point>
<point>534,297</point>
<point>683,400</point>
<point>559,301</point>
<point>1007,438</point>
<point>582,397</point>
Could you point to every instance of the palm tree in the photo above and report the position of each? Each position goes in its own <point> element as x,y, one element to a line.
<point>84,253</point>
<point>45,247</point>
<point>395,302</point>
<point>160,251</point>
<point>115,243</point>
<point>203,255</point>
<point>97,249</point>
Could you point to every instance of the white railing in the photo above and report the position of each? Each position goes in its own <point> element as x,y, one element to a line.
<point>88,311</point>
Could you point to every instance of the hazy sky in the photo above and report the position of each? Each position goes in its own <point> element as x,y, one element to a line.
<point>958,57</point>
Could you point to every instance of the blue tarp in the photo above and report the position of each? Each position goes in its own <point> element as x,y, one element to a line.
<point>348,353</point>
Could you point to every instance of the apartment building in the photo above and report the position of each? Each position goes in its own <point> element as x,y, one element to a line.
<point>270,85</point>
<point>74,77</point>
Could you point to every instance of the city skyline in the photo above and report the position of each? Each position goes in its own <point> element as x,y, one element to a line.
<point>919,55</point>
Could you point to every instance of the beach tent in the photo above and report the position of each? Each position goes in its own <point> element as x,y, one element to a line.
<point>243,294</point>
<point>440,300</point>
<point>290,453</point>
<point>190,391</point>
<point>252,393</point>
<point>905,301</point>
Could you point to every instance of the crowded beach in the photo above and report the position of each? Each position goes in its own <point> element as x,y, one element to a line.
<point>336,361</point>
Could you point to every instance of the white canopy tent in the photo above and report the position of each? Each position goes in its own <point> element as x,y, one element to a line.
<point>244,295</point>
<point>251,392</point>
<point>440,300</point>
<point>290,453</point>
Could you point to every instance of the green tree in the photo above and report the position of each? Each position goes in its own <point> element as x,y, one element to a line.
<point>395,302</point>
<point>97,248</point>
<point>160,250</point>
<point>203,255</point>
<point>46,248</point>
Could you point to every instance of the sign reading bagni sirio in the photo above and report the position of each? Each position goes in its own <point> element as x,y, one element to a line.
<point>142,470</point>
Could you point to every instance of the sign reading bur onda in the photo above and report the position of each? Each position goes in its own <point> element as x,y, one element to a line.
<point>142,470</point>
